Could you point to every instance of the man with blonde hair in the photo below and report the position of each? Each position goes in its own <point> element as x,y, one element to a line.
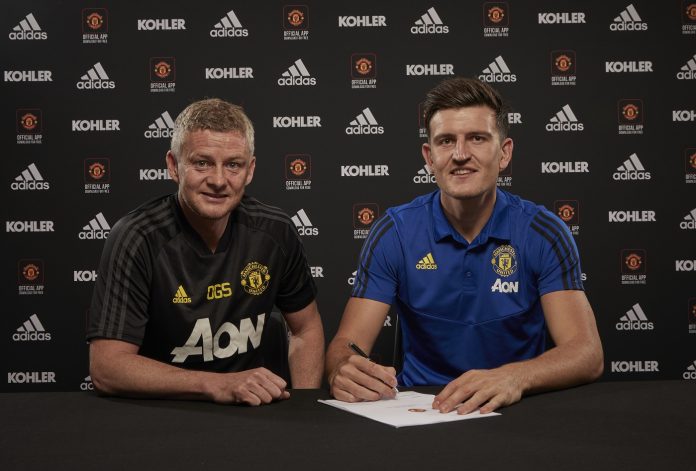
<point>187,281</point>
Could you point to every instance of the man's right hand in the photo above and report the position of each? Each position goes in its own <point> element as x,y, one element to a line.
<point>359,379</point>
<point>253,387</point>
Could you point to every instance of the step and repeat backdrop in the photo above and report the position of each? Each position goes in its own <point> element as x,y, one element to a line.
<point>604,124</point>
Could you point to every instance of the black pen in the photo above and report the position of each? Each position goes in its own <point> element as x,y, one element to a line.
<point>359,351</point>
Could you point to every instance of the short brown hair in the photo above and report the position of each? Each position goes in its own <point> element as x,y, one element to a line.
<point>462,92</point>
<point>212,114</point>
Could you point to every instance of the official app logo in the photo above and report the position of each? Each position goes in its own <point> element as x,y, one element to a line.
<point>691,315</point>
<point>97,176</point>
<point>504,260</point>
<point>422,131</point>
<point>162,74</point>
<point>255,278</point>
<point>688,16</point>
<point>505,177</point>
<point>363,70</point>
<point>631,114</point>
<point>295,22</point>
<point>634,267</point>
<point>30,276</point>
<point>569,212</point>
<point>29,126</point>
<point>95,26</point>
<point>563,68</point>
<point>364,214</point>
<point>496,20</point>
<point>298,172</point>
<point>690,165</point>
<point>229,26</point>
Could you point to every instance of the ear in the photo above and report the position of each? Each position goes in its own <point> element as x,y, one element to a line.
<point>252,167</point>
<point>172,167</point>
<point>506,154</point>
<point>427,154</point>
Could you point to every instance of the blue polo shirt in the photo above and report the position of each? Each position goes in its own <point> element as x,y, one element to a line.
<point>466,305</point>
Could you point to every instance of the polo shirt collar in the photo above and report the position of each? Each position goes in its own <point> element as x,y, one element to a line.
<point>497,226</point>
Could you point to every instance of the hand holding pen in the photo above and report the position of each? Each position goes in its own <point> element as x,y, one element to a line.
<point>360,379</point>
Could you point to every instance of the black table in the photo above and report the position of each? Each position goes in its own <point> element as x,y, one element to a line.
<point>613,425</point>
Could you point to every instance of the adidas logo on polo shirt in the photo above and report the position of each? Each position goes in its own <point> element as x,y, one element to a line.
<point>32,329</point>
<point>688,70</point>
<point>30,179</point>
<point>635,319</point>
<point>690,372</point>
<point>364,123</point>
<point>427,263</point>
<point>497,71</point>
<point>97,228</point>
<point>565,120</point>
<point>303,224</point>
<point>180,297</point>
<point>429,23</point>
<point>628,20</point>
<point>297,74</point>
<point>229,26</point>
<point>28,28</point>
<point>631,169</point>
<point>689,221</point>
<point>95,78</point>
<point>162,127</point>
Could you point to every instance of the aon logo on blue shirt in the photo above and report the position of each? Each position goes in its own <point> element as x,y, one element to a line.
<point>501,286</point>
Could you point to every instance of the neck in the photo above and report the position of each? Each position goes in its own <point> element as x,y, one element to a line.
<point>468,216</point>
<point>210,230</point>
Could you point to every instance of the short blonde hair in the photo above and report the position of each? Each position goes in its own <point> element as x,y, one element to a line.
<point>212,114</point>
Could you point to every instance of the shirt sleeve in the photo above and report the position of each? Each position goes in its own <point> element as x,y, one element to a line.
<point>558,263</point>
<point>297,288</point>
<point>377,276</point>
<point>119,307</point>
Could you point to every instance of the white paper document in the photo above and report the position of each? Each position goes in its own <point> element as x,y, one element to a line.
<point>409,408</point>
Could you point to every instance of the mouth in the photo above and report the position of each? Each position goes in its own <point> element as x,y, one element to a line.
<point>462,171</point>
<point>214,196</point>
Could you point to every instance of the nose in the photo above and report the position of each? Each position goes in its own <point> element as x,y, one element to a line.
<point>216,177</point>
<point>459,153</point>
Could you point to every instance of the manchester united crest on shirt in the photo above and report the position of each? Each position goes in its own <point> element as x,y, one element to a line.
<point>255,278</point>
<point>504,260</point>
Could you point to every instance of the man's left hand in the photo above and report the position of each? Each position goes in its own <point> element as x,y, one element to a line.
<point>484,389</point>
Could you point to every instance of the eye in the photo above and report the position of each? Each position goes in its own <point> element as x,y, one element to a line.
<point>233,165</point>
<point>446,141</point>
